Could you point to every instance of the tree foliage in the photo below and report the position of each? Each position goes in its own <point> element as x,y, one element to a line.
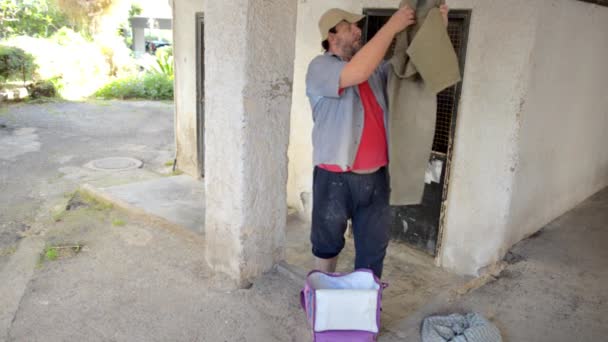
<point>35,18</point>
<point>85,13</point>
<point>135,10</point>
<point>16,64</point>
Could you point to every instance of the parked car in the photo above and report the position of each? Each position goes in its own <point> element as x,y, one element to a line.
<point>152,45</point>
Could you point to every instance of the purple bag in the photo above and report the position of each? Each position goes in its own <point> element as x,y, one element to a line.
<point>343,307</point>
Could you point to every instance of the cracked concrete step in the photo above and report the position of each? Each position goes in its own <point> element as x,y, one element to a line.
<point>176,202</point>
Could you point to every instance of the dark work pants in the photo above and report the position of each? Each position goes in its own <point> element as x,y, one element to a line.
<point>338,197</point>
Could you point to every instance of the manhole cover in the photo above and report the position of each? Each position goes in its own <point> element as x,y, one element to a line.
<point>114,164</point>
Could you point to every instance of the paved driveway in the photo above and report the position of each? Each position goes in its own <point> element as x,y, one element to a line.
<point>43,148</point>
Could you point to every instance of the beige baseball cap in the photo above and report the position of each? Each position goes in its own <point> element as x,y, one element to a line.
<point>333,17</point>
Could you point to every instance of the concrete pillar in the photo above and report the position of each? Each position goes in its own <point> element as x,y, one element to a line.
<point>139,41</point>
<point>249,55</point>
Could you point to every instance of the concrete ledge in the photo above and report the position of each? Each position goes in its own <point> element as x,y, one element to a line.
<point>135,202</point>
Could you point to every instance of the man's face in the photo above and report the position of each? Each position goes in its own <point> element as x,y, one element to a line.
<point>348,38</point>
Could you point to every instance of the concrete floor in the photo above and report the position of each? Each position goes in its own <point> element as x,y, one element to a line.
<point>178,200</point>
<point>44,147</point>
<point>140,282</point>
<point>137,281</point>
<point>413,278</point>
<point>554,286</point>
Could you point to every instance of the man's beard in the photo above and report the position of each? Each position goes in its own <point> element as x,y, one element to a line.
<point>356,46</point>
<point>351,49</point>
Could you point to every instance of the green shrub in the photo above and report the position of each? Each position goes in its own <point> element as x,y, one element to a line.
<point>40,89</point>
<point>151,86</point>
<point>164,61</point>
<point>158,87</point>
<point>79,64</point>
<point>16,64</point>
<point>124,88</point>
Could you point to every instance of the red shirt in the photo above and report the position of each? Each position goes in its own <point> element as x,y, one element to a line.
<point>373,150</point>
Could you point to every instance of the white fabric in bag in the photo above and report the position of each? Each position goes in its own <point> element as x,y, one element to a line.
<point>346,310</point>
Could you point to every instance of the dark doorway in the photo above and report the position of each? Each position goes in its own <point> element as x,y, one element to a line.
<point>419,225</point>
<point>200,91</point>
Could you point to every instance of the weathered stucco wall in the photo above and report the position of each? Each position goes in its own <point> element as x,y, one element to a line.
<point>184,36</point>
<point>563,144</point>
<point>248,80</point>
<point>501,38</point>
<point>530,140</point>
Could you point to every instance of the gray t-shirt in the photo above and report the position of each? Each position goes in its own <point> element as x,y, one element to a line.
<point>338,116</point>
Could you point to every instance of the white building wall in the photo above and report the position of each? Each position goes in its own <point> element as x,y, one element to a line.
<point>501,37</point>
<point>563,145</point>
<point>184,42</point>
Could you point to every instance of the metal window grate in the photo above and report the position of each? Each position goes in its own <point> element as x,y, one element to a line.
<point>446,99</point>
<point>375,19</point>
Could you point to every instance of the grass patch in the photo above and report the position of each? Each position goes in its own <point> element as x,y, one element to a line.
<point>8,251</point>
<point>78,200</point>
<point>68,194</point>
<point>59,215</point>
<point>52,253</point>
<point>169,163</point>
<point>93,202</point>
<point>118,223</point>
<point>174,173</point>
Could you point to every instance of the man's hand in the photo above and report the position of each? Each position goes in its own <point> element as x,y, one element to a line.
<point>363,64</point>
<point>444,13</point>
<point>402,19</point>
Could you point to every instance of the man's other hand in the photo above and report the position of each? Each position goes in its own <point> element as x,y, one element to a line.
<point>402,19</point>
<point>444,13</point>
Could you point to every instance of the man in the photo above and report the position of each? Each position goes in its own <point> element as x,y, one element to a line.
<point>346,87</point>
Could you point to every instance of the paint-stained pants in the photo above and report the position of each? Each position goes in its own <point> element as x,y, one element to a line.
<point>338,197</point>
